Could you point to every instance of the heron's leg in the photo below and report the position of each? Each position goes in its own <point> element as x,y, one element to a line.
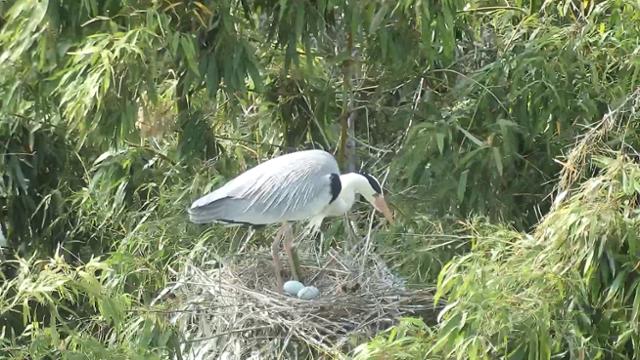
<point>275,249</point>
<point>291,254</point>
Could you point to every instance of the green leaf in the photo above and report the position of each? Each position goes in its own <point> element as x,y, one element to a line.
<point>440,141</point>
<point>518,353</point>
<point>378,18</point>
<point>498,159</point>
<point>617,286</point>
<point>636,306</point>
<point>299,21</point>
<point>212,80</point>
<point>533,345</point>
<point>252,68</point>
<point>189,53</point>
<point>471,137</point>
<point>462,185</point>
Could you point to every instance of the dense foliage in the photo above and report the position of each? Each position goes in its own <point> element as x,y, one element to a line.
<point>114,115</point>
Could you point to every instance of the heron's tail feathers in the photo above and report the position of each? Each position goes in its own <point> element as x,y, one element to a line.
<point>207,213</point>
<point>226,210</point>
<point>202,215</point>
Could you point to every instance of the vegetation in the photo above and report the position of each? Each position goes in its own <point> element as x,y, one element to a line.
<point>506,132</point>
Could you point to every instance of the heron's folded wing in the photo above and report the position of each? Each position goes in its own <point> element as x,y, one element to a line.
<point>286,188</point>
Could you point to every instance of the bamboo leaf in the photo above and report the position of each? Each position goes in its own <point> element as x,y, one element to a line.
<point>498,160</point>
<point>635,309</point>
<point>440,141</point>
<point>212,79</point>
<point>470,136</point>
<point>189,53</point>
<point>462,185</point>
<point>616,287</point>
<point>378,18</point>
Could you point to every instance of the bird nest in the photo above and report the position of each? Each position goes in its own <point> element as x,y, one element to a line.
<point>234,311</point>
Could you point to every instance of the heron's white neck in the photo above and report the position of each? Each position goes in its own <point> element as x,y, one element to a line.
<point>352,184</point>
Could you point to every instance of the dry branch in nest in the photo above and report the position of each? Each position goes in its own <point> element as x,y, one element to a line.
<point>234,311</point>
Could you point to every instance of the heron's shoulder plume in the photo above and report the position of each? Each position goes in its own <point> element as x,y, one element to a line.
<point>336,186</point>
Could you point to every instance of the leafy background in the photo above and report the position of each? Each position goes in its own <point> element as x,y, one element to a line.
<point>116,114</point>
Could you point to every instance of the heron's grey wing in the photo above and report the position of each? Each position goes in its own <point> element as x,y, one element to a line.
<point>291,187</point>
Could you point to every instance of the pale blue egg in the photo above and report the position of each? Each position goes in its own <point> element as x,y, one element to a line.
<point>292,287</point>
<point>308,293</point>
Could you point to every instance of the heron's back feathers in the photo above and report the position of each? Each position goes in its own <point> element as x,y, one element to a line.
<point>290,187</point>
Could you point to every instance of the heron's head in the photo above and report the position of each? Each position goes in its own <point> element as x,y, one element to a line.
<point>372,192</point>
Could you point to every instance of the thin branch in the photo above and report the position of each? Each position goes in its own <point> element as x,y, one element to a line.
<point>152,150</point>
<point>477,83</point>
<point>493,8</point>
<point>251,142</point>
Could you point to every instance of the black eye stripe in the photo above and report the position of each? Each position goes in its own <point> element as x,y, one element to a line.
<point>373,182</point>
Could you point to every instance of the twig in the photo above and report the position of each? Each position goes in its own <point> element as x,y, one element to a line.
<point>493,8</point>
<point>224,333</point>
<point>152,150</point>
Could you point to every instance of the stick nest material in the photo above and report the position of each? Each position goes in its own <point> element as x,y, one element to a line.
<point>234,311</point>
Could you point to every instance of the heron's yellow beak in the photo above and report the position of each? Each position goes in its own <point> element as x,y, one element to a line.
<point>381,205</point>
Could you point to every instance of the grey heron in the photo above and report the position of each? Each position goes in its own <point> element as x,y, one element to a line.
<point>303,185</point>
